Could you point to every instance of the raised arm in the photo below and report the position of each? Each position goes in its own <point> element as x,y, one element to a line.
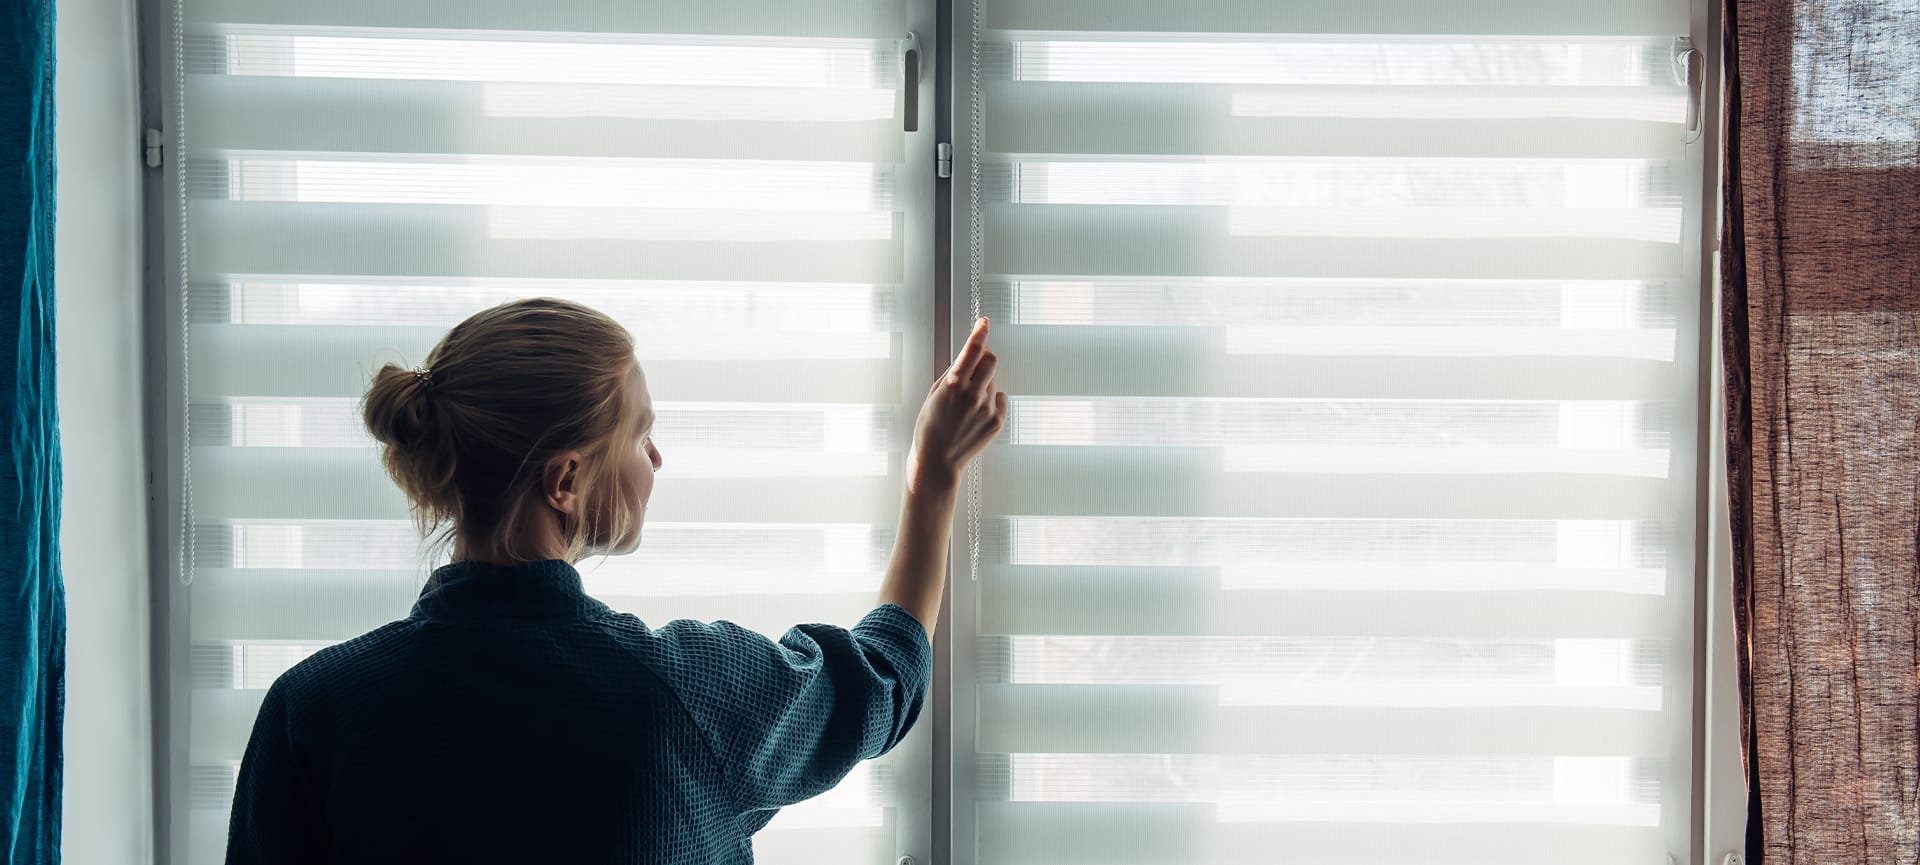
<point>960,417</point>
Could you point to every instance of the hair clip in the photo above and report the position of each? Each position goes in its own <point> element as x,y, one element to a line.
<point>424,376</point>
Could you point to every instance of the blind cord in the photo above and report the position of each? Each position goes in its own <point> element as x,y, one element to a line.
<point>179,165</point>
<point>976,258</point>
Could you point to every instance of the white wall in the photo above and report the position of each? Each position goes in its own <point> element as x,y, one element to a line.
<point>103,542</point>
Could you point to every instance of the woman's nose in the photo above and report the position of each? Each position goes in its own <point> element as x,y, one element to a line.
<point>653,453</point>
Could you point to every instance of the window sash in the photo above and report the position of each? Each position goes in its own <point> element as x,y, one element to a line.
<point>824,230</point>
<point>1069,358</point>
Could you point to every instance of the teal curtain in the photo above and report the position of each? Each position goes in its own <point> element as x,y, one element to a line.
<point>33,627</point>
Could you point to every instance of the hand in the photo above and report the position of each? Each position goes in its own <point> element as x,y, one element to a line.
<point>961,416</point>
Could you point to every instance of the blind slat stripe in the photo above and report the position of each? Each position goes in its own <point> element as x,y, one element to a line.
<point>1441,17</point>
<point>300,238</point>
<point>317,611</point>
<point>1095,240</point>
<point>697,344</point>
<point>1249,693</point>
<point>222,722</point>
<point>1012,608</point>
<point>1038,833</point>
<point>1171,584</point>
<point>207,835</point>
<point>296,361</point>
<point>1176,719</point>
<point>321,115</point>
<point>871,19</point>
<point>1166,133</point>
<point>347,483</point>
<point>435,302</point>
<point>1082,360</point>
<point>632,580</point>
<point>1189,481</point>
<point>1655,344</point>
<point>663,342</point>
<point>309,606</point>
<point>1058,117</point>
<point>301,361</point>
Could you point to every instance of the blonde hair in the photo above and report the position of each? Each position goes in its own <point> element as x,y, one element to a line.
<point>468,436</point>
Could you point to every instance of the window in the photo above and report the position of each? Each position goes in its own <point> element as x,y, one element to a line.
<point>1347,508</point>
<point>1348,503</point>
<point>733,184</point>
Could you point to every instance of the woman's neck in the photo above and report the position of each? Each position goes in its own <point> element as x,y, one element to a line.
<point>543,540</point>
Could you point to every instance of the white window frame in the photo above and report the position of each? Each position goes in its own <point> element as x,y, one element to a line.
<point>937,821</point>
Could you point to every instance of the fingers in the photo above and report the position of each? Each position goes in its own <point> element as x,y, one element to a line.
<point>973,352</point>
<point>983,372</point>
<point>1000,409</point>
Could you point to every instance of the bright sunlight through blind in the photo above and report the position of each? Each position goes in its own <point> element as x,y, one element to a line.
<point>725,179</point>
<point>1345,512</point>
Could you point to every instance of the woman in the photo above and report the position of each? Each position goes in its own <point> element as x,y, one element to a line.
<point>512,718</point>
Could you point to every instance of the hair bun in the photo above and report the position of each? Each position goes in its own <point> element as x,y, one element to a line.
<point>396,410</point>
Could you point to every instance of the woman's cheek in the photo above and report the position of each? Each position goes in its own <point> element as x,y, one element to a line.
<point>643,481</point>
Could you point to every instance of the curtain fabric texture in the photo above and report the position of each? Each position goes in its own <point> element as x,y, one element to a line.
<point>1822,327</point>
<point>32,602</point>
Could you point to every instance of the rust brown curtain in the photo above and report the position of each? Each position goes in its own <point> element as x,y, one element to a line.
<point>1821,270</point>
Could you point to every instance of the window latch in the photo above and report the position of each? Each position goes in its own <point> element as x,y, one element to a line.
<point>910,83</point>
<point>1690,71</point>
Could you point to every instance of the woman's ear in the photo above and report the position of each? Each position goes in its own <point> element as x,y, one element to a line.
<point>558,482</point>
